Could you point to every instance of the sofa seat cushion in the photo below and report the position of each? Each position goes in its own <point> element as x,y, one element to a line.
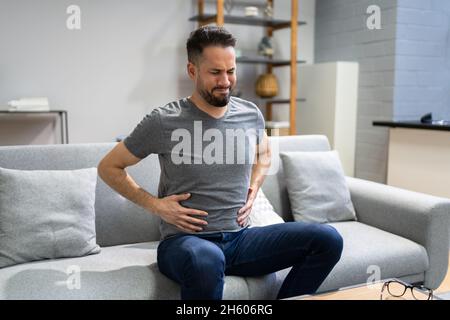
<point>369,252</point>
<point>118,272</point>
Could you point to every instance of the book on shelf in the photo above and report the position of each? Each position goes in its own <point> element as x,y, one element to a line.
<point>29,108</point>
<point>277,124</point>
<point>29,104</point>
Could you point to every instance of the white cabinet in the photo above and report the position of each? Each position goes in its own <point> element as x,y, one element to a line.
<point>331,93</point>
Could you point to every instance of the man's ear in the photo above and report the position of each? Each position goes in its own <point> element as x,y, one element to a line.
<point>192,70</point>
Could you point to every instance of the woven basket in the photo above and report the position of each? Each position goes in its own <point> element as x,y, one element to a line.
<point>267,85</point>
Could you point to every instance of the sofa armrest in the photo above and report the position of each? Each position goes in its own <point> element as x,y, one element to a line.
<point>416,216</point>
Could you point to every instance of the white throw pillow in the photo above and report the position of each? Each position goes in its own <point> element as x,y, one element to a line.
<point>262,213</point>
<point>316,186</point>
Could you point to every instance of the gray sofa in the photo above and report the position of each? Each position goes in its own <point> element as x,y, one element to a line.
<point>398,233</point>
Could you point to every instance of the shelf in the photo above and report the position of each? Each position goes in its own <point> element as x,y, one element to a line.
<point>61,113</point>
<point>249,21</point>
<point>265,60</point>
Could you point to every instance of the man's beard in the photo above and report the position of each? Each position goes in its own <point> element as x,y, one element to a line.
<point>214,101</point>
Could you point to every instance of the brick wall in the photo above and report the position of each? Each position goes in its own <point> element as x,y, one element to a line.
<point>422,78</point>
<point>341,34</point>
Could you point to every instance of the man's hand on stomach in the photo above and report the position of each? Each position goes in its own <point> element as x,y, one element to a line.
<point>170,210</point>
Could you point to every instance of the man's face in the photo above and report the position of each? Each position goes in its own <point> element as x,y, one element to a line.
<point>215,74</point>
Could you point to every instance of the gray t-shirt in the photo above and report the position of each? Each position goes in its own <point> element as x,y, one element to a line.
<point>209,158</point>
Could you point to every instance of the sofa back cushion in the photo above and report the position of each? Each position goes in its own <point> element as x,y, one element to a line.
<point>118,221</point>
<point>274,185</point>
<point>317,188</point>
<point>46,214</point>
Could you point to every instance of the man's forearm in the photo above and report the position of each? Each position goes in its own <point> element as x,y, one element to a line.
<point>258,175</point>
<point>260,168</point>
<point>119,180</point>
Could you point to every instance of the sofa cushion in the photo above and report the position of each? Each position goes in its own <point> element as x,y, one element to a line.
<point>46,214</point>
<point>370,252</point>
<point>119,272</point>
<point>130,271</point>
<point>317,188</point>
<point>274,185</point>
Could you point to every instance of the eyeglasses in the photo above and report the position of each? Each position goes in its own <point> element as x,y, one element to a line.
<point>397,289</point>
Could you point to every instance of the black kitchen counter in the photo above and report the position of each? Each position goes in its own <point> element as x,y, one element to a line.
<point>445,126</point>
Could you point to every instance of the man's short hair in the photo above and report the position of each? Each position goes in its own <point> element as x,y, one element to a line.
<point>207,36</point>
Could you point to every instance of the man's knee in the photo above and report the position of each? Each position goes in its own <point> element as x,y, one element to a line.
<point>204,260</point>
<point>199,267</point>
<point>331,241</point>
<point>322,238</point>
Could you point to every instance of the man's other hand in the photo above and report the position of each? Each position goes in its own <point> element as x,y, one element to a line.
<point>245,211</point>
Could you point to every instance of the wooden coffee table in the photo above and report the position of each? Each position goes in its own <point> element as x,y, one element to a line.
<point>371,291</point>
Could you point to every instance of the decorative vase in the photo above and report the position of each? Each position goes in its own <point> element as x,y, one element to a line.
<point>265,47</point>
<point>267,85</point>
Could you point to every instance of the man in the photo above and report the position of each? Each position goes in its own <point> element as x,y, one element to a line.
<point>206,190</point>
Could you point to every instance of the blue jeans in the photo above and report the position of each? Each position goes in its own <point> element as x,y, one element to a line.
<point>199,263</point>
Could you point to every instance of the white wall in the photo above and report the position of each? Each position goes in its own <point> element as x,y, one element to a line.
<point>128,58</point>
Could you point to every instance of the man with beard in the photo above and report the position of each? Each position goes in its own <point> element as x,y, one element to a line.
<point>204,205</point>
